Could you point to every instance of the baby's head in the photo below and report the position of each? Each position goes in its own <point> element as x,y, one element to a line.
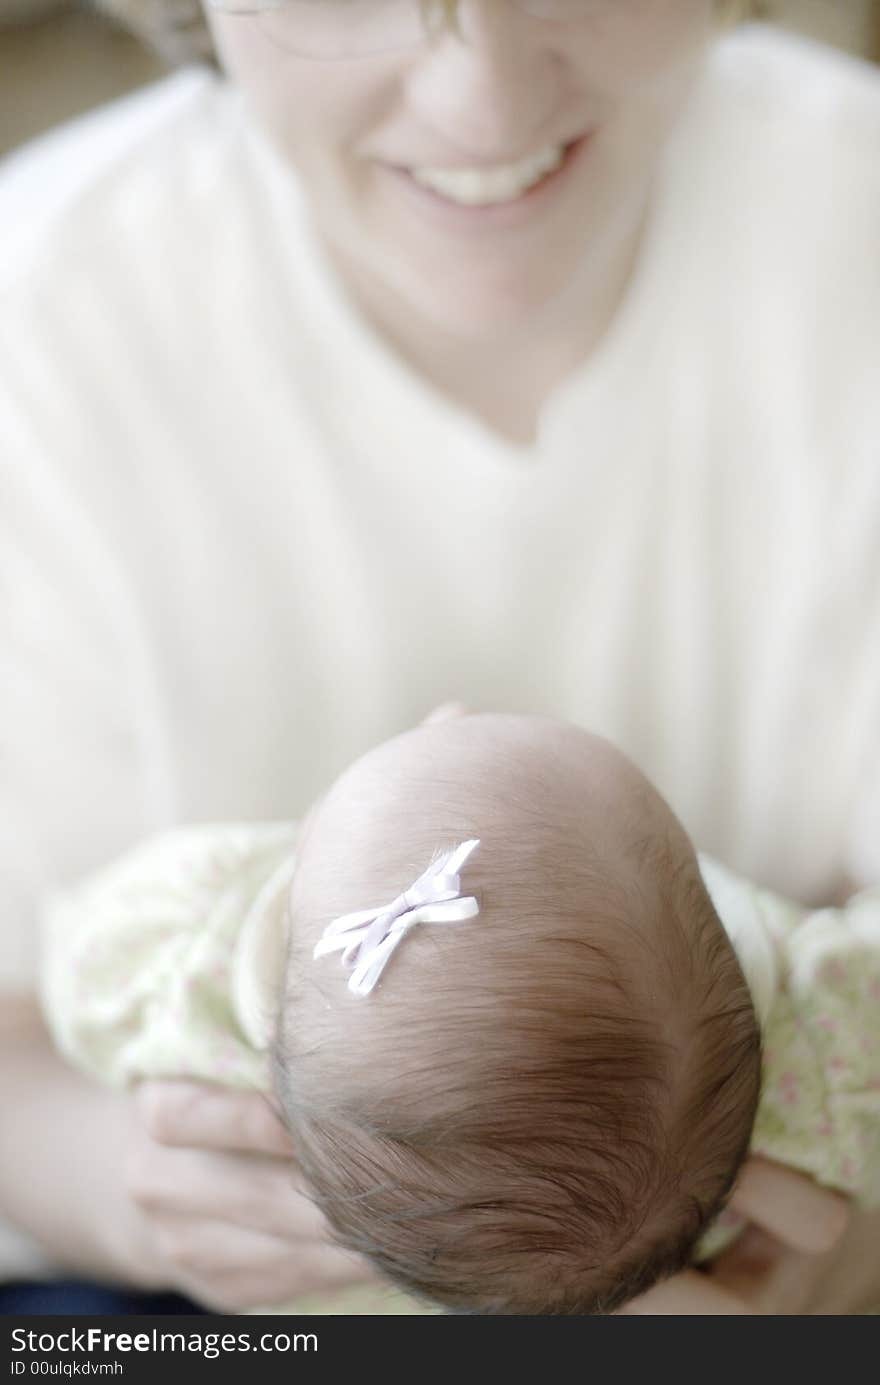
<point>539,1109</point>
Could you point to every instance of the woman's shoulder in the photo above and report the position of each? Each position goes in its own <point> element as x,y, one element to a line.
<point>789,84</point>
<point>132,160</point>
<point>772,194</point>
<point>781,125</point>
<point>136,239</point>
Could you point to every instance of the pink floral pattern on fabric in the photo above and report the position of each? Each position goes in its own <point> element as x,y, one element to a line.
<point>158,966</point>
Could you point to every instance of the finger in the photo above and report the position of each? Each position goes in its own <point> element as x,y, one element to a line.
<point>689,1295</point>
<point>444,712</point>
<point>253,1192</point>
<point>751,1267</point>
<point>247,1267</point>
<point>790,1206</point>
<point>197,1116</point>
<point>750,1261</point>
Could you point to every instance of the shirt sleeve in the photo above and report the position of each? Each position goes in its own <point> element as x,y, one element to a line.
<point>169,962</point>
<point>820,1103</point>
<point>814,976</point>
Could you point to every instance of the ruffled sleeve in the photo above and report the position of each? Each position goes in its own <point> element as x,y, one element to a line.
<point>815,980</point>
<point>820,1106</point>
<point>169,962</point>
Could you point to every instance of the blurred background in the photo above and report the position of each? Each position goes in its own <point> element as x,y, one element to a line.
<point>60,57</point>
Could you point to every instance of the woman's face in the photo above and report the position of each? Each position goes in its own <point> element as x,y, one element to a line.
<point>479,251</point>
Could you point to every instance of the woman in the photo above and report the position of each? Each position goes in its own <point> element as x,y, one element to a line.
<point>521,351</point>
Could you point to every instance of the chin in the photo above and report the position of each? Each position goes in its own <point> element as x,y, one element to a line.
<point>488,302</point>
<point>490,320</point>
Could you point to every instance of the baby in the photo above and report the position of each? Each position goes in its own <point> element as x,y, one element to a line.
<point>532,1094</point>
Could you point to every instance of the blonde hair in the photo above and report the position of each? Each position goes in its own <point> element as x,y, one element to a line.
<point>178,32</point>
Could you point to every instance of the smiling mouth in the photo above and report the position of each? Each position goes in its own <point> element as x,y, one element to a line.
<point>496,185</point>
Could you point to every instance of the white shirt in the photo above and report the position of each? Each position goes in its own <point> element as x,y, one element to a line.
<point>241,542</point>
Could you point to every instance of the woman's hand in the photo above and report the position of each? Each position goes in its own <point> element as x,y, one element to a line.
<point>227,1220</point>
<point>802,1253</point>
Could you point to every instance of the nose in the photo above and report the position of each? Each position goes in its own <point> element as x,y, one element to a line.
<point>489,83</point>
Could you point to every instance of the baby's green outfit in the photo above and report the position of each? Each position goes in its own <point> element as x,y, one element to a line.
<point>169,963</point>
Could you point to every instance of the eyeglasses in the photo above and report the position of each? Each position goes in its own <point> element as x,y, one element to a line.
<point>357,28</point>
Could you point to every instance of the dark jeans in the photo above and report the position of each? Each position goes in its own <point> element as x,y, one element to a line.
<point>61,1296</point>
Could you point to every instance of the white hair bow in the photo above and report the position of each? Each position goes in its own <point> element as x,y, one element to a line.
<point>368,937</point>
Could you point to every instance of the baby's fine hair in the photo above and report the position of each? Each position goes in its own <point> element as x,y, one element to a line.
<point>539,1110</point>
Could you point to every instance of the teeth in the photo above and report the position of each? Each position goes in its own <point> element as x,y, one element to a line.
<point>478,187</point>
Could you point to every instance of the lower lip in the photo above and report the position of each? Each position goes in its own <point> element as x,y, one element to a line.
<point>499,215</point>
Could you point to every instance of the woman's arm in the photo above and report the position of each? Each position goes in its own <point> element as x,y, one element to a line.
<point>801,1254</point>
<point>797,1254</point>
<point>62,1154</point>
<point>183,1186</point>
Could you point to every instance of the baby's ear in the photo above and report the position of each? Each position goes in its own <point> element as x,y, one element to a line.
<point>445,711</point>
